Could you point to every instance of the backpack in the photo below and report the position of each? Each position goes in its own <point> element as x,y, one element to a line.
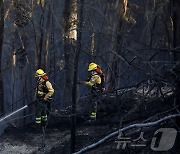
<point>103,79</point>
<point>102,76</point>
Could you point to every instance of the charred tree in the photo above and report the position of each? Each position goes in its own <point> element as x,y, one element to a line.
<point>176,45</point>
<point>41,40</point>
<point>70,36</point>
<point>52,41</point>
<point>176,24</point>
<point>48,35</point>
<point>74,88</point>
<point>1,48</point>
<point>118,29</point>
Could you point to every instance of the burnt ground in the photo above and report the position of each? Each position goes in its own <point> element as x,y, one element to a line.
<point>28,140</point>
<point>118,112</point>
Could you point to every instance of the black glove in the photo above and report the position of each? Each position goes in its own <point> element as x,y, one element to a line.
<point>48,99</point>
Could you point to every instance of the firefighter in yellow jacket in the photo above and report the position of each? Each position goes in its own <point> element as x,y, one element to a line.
<point>44,93</point>
<point>95,82</point>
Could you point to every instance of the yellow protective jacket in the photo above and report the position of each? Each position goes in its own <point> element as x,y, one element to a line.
<point>95,80</point>
<point>45,89</point>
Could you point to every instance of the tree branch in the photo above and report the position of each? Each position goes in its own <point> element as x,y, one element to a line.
<point>94,145</point>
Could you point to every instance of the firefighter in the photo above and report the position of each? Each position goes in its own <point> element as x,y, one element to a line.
<point>95,82</point>
<point>44,92</point>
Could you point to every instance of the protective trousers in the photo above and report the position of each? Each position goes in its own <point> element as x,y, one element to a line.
<point>95,100</point>
<point>41,113</point>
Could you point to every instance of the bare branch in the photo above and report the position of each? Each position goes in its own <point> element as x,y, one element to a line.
<point>140,125</point>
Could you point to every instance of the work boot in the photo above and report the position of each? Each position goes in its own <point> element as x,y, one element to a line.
<point>93,116</point>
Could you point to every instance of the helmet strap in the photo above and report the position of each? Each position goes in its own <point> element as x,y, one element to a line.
<point>39,79</point>
<point>93,72</point>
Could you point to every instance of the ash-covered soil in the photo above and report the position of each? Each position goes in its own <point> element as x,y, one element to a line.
<point>29,139</point>
<point>114,113</point>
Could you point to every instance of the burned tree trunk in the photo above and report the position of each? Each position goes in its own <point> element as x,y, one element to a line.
<point>176,45</point>
<point>70,35</point>
<point>120,9</point>
<point>1,45</point>
<point>41,40</point>
<point>176,24</point>
<point>74,89</point>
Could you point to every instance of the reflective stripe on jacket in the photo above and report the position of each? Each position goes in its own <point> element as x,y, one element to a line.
<point>45,89</point>
<point>94,80</point>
